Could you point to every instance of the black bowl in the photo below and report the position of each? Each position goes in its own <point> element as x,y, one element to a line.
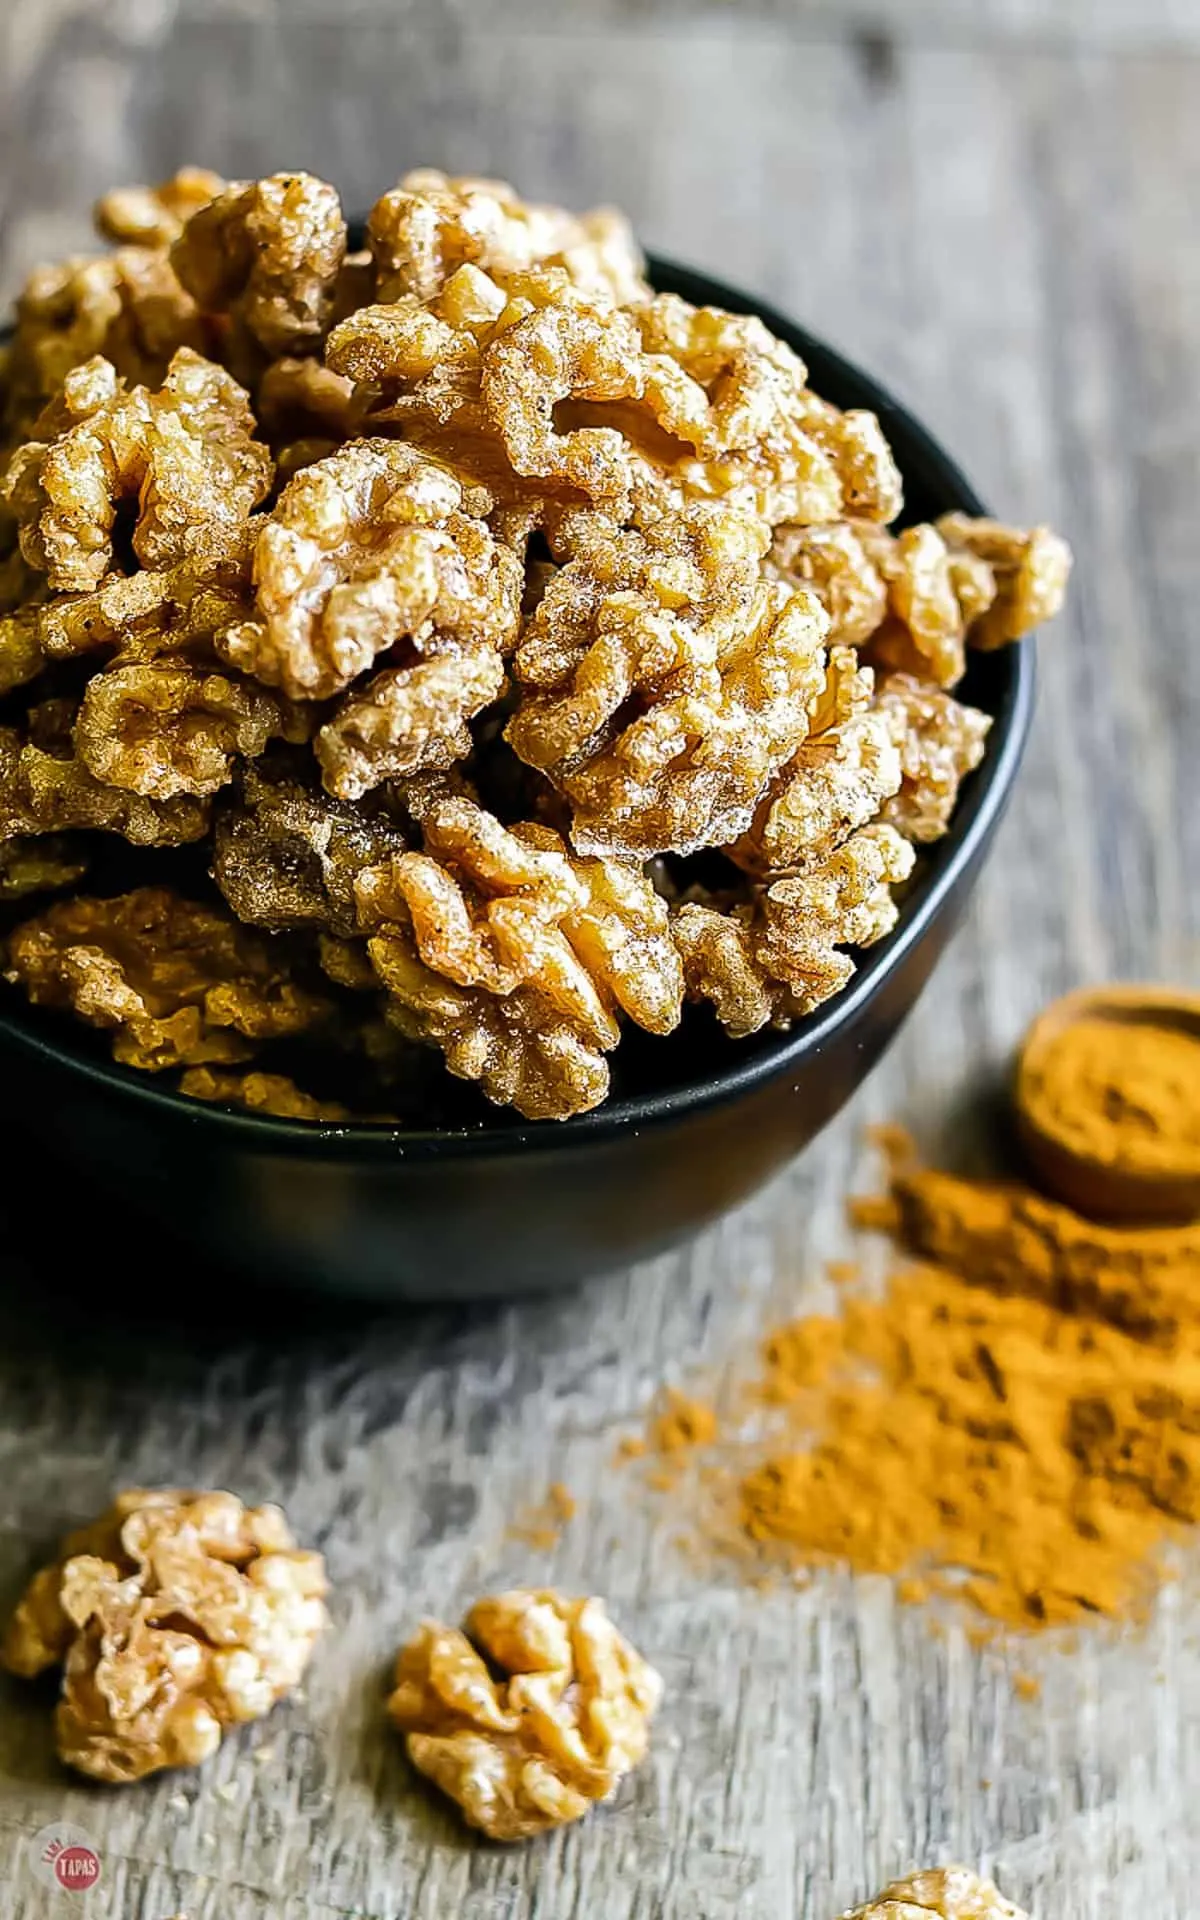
<point>495,1205</point>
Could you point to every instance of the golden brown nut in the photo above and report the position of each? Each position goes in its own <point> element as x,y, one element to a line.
<point>940,742</point>
<point>925,633</point>
<point>1030,570</point>
<point>167,728</point>
<point>271,1093</point>
<point>21,655</point>
<point>180,984</point>
<point>869,479</point>
<point>154,216</point>
<point>663,681</point>
<point>45,788</point>
<point>370,547</point>
<point>40,865</point>
<point>515,956</point>
<point>946,1893</point>
<point>302,400</point>
<point>832,561</point>
<point>285,854</point>
<point>180,465</point>
<point>838,781</point>
<point>568,1719</point>
<point>174,1617</point>
<point>407,719</point>
<point>269,253</point>
<point>428,226</point>
<point>779,955</point>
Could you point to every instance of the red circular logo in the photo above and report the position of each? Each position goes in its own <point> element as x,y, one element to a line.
<point>76,1868</point>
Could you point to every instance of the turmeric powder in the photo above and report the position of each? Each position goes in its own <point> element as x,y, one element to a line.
<point>1124,1093</point>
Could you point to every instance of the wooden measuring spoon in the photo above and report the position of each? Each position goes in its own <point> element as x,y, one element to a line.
<point>1108,1171</point>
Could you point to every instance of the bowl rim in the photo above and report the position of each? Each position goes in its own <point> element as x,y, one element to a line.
<point>942,866</point>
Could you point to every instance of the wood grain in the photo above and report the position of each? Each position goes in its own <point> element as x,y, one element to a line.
<point>996,211</point>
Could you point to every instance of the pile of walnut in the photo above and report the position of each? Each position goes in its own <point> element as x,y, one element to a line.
<point>433,593</point>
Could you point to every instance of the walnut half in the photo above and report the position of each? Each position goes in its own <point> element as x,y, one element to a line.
<point>568,1717</point>
<point>942,1893</point>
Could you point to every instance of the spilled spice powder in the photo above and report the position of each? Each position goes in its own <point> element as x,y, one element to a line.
<point>541,1525</point>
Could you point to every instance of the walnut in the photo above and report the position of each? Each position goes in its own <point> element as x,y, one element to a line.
<point>847,768</point>
<point>1030,572</point>
<point>139,616</point>
<point>179,984</point>
<point>174,1616</point>
<point>302,400</point>
<point>940,742</point>
<point>181,463</point>
<point>716,667</point>
<point>21,655</point>
<point>566,1721</point>
<point>46,788</point>
<point>431,224</point>
<point>407,719</point>
<point>270,1093</point>
<point>370,547</point>
<point>515,956</point>
<point>925,633</point>
<point>168,728</point>
<point>869,479</point>
<point>154,216</point>
<point>286,854</point>
<point>946,1893</point>
<point>270,253</point>
<point>833,562</point>
<point>778,955</point>
<point>29,865</point>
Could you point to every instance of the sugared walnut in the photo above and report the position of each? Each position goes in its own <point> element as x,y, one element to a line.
<point>174,1617</point>
<point>515,957</point>
<point>286,854</point>
<point>407,719</point>
<point>179,984</point>
<point>154,216</point>
<point>180,466</point>
<point>833,562</point>
<point>431,224</point>
<point>21,655</point>
<point>138,616</point>
<point>945,1893</point>
<point>925,632</point>
<point>40,865</point>
<point>1030,571</point>
<point>566,1720</point>
<point>167,728</point>
<point>838,781</point>
<point>779,955</point>
<point>302,400</point>
<point>45,788</point>
<point>372,546</point>
<point>663,681</point>
<point>270,254</point>
<point>270,1093</point>
<point>868,477</point>
<point>940,741</point>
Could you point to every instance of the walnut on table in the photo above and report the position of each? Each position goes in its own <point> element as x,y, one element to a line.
<point>946,1893</point>
<point>179,984</point>
<point>515,956</point>
<point>174,1617</point>
<point>568,1719</point>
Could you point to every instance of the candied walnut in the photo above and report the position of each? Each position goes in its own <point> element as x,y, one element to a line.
<point>142,615</point>
<point>940,742</point>
<point>179,983</point>
<point>871,487</point>
<point>285,855</point>
<point>271,1093</point>
<point>21,655</point>
<point>431,224</point>
<point>925,633</point>
<point>566,1721</point>
<point>946,1893</point>
<point>1029,569</point>
<point>515,957</point>
<point>663,681</point>
<point>270,253</point>
<point>39,865</point>
<point>300,400</point>
<point>154,216</point>
<point>838,781</point>
<point>407,719</point>
<point>832,561</point>
<point>778,955</point>
<point>167,728</point>
<point>374,545</point>
<point>180,466</point>
<point>174,1617</point>
<point>46,788</point>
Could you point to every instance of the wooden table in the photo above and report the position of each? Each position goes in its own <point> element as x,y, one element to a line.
<point>995,207</point>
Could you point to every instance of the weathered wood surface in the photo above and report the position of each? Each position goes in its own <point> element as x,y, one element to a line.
<point>996,209</point>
